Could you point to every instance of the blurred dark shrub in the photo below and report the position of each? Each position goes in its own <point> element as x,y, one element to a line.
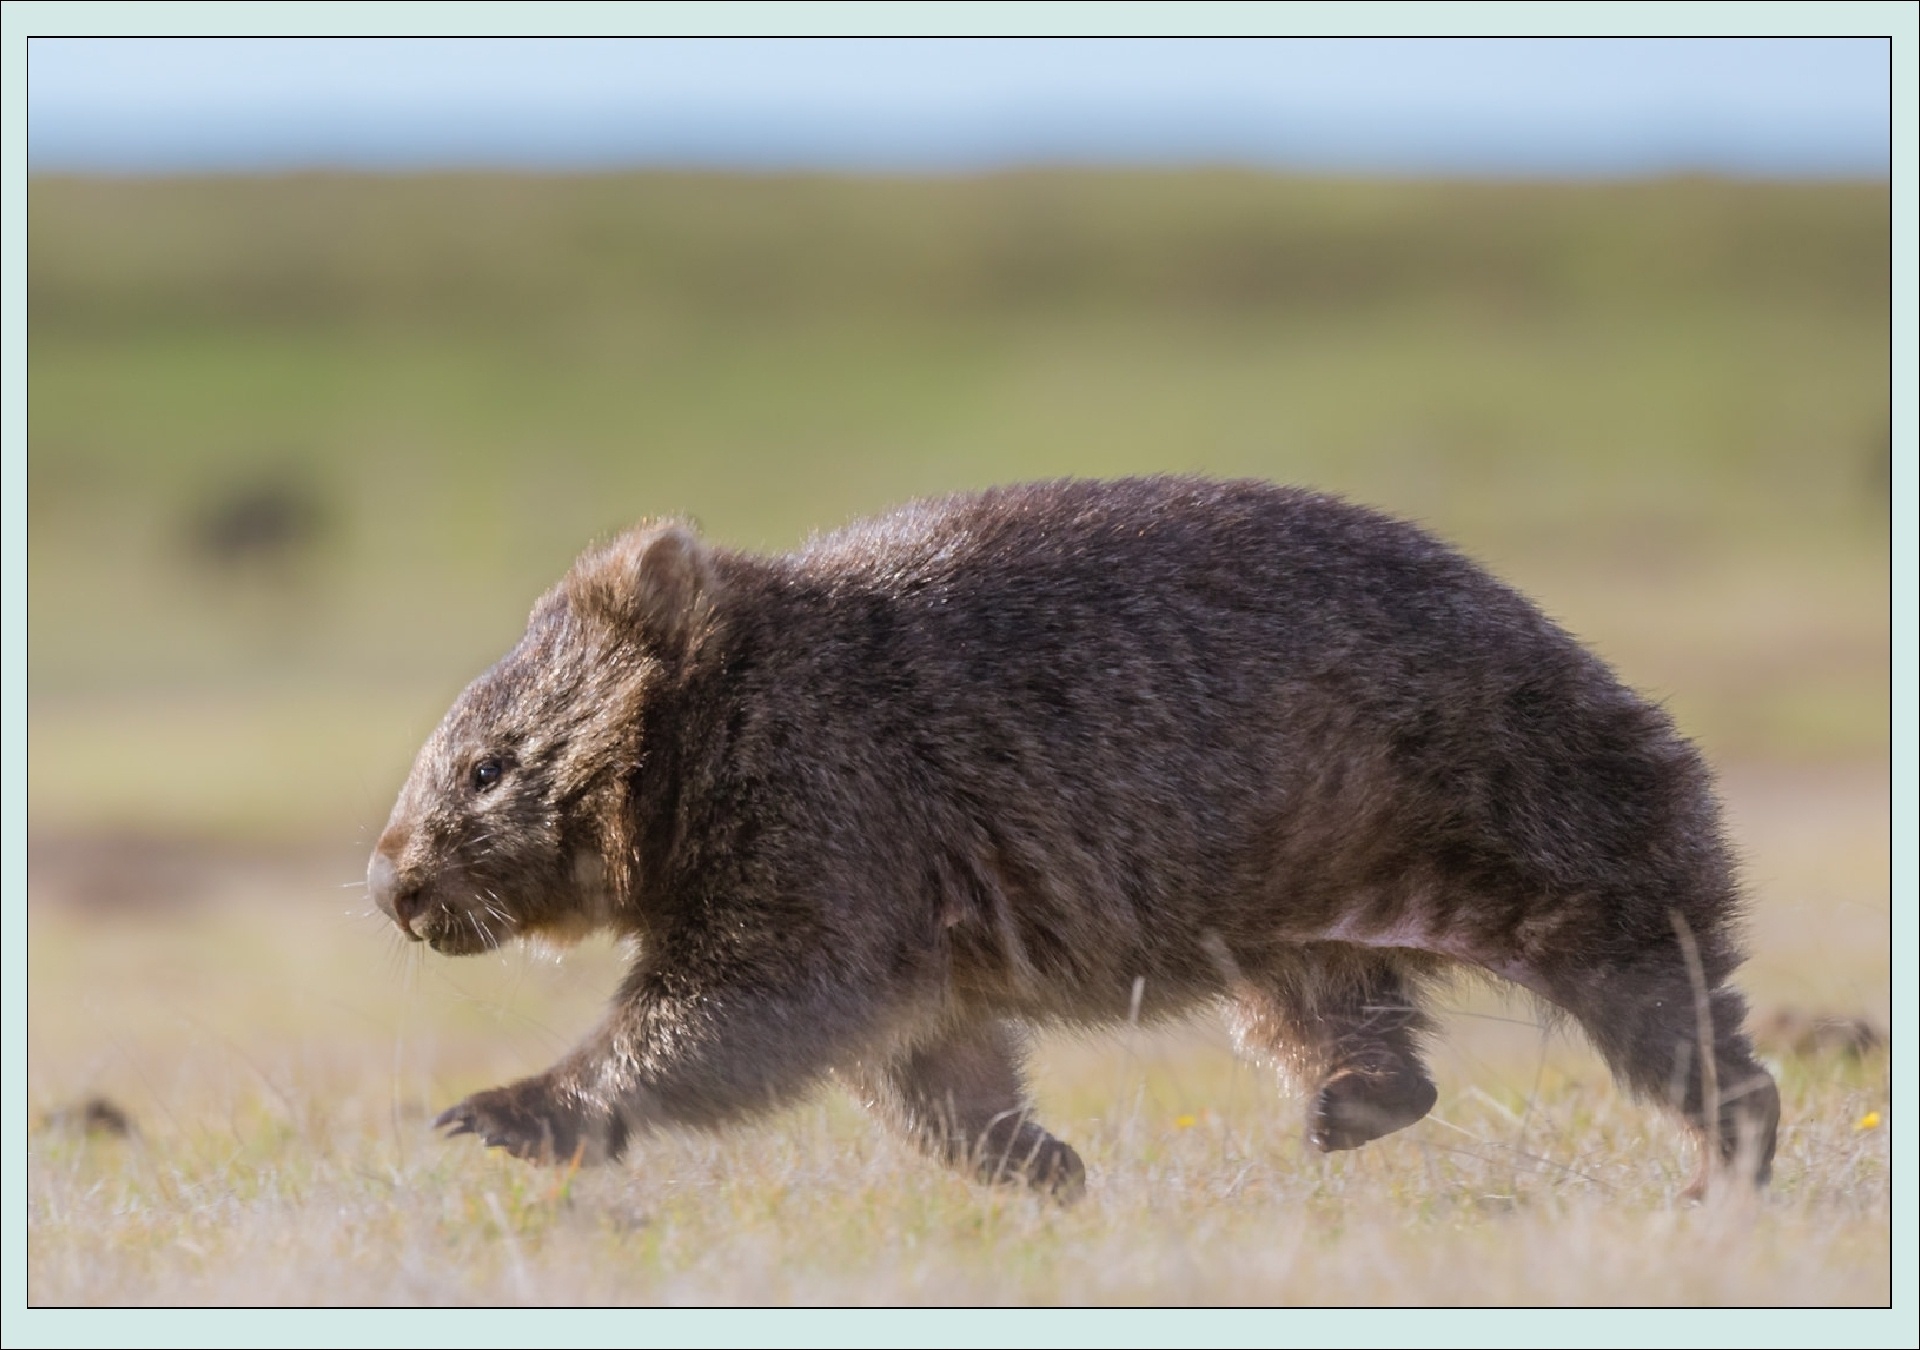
<point>261,524</point>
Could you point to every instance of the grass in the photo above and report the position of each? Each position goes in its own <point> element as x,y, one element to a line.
<point>817,1209</point>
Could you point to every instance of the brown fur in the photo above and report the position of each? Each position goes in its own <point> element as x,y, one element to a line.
<point>1067,752</point>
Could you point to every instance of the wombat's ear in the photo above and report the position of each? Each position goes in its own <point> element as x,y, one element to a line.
<point>655,579</point>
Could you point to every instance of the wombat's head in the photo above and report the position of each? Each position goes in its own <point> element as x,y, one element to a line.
<point>515,820</point>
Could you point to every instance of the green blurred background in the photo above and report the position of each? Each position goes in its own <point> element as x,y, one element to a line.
<point>303,450</point>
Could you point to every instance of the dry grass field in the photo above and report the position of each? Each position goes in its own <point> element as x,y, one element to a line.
<point>302,451</point>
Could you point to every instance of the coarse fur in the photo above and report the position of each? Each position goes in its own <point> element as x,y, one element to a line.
<point>1068,752</point>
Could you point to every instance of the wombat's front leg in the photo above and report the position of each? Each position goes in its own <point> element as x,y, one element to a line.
<point>677,1050</point>
<point>960,1097</point>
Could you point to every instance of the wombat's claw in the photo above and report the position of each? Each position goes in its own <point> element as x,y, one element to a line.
<point>1063,1177</point>
<point>1352,1109</point>
<point>1054,1171</point>
<point>527,1125</point>
<point>500,1125</point>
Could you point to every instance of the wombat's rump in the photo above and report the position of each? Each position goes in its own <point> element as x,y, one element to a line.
<point>1070,751</point>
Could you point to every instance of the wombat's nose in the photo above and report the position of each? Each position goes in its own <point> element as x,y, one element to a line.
<point>383,886</point>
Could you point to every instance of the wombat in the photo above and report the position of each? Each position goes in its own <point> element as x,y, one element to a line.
<point>1070,752</point>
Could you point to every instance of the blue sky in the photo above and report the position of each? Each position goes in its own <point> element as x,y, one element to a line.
<point>1777,107</point>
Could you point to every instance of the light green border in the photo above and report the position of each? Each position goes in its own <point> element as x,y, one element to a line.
<point>472,1327</point>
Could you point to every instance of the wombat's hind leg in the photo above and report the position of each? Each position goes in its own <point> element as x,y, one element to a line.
<point>1345,1022</point>
<point>960,1097</point>
<point>1645,1016</point>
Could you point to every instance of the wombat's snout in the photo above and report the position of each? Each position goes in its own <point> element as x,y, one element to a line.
<point>383,886</point>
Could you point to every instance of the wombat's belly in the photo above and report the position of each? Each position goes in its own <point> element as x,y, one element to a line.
<point>1126,879</point>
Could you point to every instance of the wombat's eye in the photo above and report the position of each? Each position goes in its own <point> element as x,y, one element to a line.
<point>487,772</point>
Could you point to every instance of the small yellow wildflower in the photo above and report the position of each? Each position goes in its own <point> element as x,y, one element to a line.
<point>1185,1122</point>
<point>1870,1121</point>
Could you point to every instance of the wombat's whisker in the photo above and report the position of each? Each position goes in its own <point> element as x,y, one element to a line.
<point>494,908</point>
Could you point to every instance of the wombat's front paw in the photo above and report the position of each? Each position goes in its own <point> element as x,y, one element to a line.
<point>529,1121</point>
